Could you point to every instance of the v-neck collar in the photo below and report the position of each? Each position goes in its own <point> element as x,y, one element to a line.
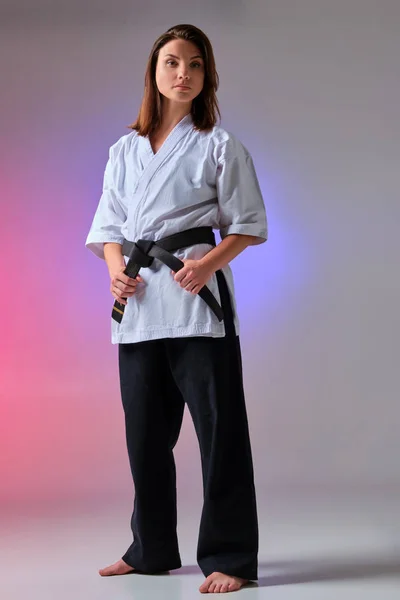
<point>180,128</point>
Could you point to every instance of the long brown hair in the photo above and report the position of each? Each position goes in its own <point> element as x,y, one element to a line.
<point>204,110</point>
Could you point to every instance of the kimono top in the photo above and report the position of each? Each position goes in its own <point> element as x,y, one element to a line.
<point>195,179</point>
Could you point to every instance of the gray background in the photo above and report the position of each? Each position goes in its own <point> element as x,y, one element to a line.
<point>312,88</point>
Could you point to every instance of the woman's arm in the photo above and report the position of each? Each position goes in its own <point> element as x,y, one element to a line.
<point>232,245</point>
<point>195,274</point>
<point>121,286</point>
<point>113,257</point>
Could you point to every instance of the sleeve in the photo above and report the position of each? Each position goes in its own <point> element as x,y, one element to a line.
<point>110,214</point>
<point>241,205</point>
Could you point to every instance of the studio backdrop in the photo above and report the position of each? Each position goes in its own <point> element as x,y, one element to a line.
<point>311,88</point>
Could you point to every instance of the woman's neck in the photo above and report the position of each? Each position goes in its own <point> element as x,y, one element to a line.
<point>172,114</point>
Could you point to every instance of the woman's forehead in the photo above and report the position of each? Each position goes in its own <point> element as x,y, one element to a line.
<point>181,48</point>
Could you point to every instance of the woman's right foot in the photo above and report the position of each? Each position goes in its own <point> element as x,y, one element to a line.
<point>118,568</point>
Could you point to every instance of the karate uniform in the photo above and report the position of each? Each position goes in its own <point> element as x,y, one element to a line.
<point>173,349</point>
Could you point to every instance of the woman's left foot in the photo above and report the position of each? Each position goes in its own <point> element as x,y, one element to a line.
<point>220,583</point>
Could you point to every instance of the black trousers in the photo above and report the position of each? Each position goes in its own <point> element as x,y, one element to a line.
<point>157,378</point>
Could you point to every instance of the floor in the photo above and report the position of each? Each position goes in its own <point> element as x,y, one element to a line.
<point>311,547</point>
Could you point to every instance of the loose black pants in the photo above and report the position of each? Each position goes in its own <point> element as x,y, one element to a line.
<point>157,378</point>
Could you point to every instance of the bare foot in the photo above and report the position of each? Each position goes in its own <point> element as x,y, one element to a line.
<point>118,568</point>
<point>218,582</point>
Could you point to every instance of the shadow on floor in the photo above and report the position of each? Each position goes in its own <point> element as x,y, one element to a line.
<point>327,569</point>
<point>323,569</point>
<point>187,570</point>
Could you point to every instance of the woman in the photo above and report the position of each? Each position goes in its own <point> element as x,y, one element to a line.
<point>178,174</point>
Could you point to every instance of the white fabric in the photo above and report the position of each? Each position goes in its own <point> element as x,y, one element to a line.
<point>195,179</point>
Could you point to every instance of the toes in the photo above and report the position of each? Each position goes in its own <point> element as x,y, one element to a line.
<point>213,585</point>
<point>204,588</point>
<point>235,586</point>
<point>118,568</point>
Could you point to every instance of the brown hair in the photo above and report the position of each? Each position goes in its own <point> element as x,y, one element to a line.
<point>204,108</point>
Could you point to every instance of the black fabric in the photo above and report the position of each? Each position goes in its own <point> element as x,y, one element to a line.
<point>177,241</point>
<point>142,253</point>
<point>157,378</point>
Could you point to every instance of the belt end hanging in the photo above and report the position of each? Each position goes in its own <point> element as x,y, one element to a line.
<point>118,311</point>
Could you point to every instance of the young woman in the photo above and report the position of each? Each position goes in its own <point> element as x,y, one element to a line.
<point>172,180</point>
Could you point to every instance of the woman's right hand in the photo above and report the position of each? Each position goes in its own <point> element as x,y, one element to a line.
<point>122,286</point>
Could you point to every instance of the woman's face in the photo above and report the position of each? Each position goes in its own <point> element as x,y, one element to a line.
<point>180,64</point>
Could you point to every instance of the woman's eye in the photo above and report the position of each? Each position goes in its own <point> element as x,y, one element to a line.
<point>171,62</point>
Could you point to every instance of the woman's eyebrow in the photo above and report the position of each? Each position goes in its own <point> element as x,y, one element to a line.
<point>173,55</point>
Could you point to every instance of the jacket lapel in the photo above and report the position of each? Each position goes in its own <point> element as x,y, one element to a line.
<point>153,162</point>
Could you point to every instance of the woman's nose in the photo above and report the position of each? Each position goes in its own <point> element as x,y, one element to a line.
<point>184,73</point>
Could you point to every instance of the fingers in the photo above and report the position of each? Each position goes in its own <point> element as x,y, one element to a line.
<point>195,289</point>
<point>192,287</point>
<point>120,288</point>
<point>128,280</point>
<point>123,287</point>
<point>125,283</point>
<point>120,295</point>
<point>119,298</point>
<point>183,276</point>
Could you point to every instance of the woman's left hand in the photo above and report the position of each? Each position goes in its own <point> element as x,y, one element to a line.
<point>193,276</point>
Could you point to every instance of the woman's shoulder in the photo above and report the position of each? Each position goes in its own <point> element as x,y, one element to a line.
<point>123,145</point>
<point>224,145</point>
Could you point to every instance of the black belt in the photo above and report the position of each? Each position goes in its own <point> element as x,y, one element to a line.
<point>143,252</point>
